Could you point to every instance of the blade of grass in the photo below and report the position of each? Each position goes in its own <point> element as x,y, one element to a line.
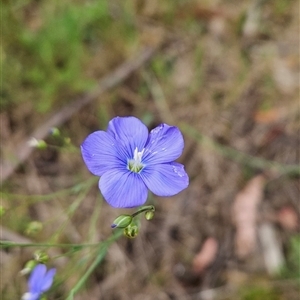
<point>101,255</point>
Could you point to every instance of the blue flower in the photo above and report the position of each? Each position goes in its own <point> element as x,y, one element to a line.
<point>130,161</point>
<point>39,282</point>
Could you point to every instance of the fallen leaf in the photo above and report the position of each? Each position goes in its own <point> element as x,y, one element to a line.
<point>268,116</point>
<point>288,218</point>
<point>206,256</point>
<point>244,212</point>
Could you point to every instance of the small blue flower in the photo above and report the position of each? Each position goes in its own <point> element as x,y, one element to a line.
<point>39,282</point>
<point>130,161</point>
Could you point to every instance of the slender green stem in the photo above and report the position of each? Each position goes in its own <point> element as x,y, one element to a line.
<point>93,223</point>
<point>102,252</point>
<point>70,212</point>
<point>8,244</point>
<point>144,209</point>
<point>35,198</point>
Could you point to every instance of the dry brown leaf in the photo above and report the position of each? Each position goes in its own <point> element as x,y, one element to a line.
<point>268,116</point>
<point>206,256</point>
<point>244,213</point>
<point>288,218</point>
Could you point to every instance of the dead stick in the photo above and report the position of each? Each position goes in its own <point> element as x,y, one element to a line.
<point>111,80</point>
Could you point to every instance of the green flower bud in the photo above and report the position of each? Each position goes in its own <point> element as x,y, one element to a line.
<point>122,221</point>
<point>55,131</point>
<point>33,228</point>
<point>40,256</point>
<point>131,231</point>
<point>29,266</point>
<point>39,144</point>
<point>67,141</point>
<point>149,215</point>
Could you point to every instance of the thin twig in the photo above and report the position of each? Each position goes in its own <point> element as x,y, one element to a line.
<point>23,150</point>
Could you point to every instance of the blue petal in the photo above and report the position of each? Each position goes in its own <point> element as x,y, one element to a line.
<point>165,179</point>
<point>130,132</point>
<point>123,189</point>
<point>165,144</point>
<point>101,152</point>
<point>48,280</point>
<point>36,277</point>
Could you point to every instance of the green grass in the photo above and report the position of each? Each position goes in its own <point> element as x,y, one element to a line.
<point>292,267</point>
<point>48,61</point>
<point>259,293</point>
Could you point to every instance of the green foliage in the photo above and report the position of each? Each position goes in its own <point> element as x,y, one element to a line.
<point>292,267</point>
<point>258,293</point>
<point>46,62</point>
<point>58,50</point>
<point>281,6</point>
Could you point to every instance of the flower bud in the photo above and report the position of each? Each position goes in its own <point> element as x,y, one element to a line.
<point>67,141</point>
<point>55,131</point>
<point>41,256</point>
<point>122,221</point>
<point>39,144</point>
<point>131,231</point>
<point>149,215</point>
<point>34,227</point>
<point>29,266</point>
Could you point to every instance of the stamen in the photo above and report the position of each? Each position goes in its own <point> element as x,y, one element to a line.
<point>135,164</point>
<point>137,156</point>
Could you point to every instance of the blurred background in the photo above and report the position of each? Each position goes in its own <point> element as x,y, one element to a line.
<point>226,73</point>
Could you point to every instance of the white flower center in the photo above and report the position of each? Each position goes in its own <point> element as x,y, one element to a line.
<point>135,164</point>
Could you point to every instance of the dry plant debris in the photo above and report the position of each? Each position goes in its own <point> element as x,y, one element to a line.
<point>206,255</point>
<point>245,215</point>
